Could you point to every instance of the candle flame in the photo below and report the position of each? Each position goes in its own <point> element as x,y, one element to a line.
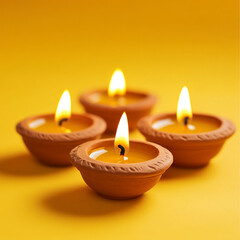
<point>64,107</point>
<point>117,84</point>
<point>122,136</point>
<point>184,109</point>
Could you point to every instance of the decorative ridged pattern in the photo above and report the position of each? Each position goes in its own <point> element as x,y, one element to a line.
<point>226,129</point>
<point>161,163</point>
<point>97,128</point>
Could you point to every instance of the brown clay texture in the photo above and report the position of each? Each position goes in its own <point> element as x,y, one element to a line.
<point>121,181</point>
<point>53,148</point>
<point>112,115</point>
<point>189,150</point>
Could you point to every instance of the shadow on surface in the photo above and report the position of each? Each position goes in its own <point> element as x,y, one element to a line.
<point>82,201</point>
<point>112,134</point>
<point>23,165</point>
<point>174,172</point>
<point>108,135</point>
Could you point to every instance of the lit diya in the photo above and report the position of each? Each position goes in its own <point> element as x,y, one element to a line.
<point>113,170</point>
<point>51,137</point>
<point>192,139</point>
<point>112,103</point>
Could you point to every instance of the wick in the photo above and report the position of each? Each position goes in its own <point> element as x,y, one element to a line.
<point>122,150</point>
<point>62,120</point>
<point>186,121</point>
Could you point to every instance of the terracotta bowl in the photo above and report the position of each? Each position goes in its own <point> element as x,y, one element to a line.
<point>54,148</point>
<point>112,114</point>
<point>189,150</point>
<point>121,181</point>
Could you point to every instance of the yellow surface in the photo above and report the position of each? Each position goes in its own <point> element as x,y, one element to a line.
<point>48,46</point>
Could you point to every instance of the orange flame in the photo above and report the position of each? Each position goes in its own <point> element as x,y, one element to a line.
<point>117,84</point>
<point>64,107</point>
<point>122,135</point>
<point>184,105</point>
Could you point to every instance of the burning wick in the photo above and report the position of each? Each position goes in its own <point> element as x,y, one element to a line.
<point>62,120</point>
<point>122,150</point>
<point>186,121</point>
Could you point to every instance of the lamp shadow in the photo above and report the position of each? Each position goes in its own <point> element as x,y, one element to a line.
<point>112,134</point>
<point>175,172</point>
<point>23,165</point>
<point>107,135</point>
<point>82,201</point>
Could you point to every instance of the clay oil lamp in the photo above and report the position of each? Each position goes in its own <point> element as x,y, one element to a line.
<point>114,171</point>
<point>51,137</point>
<point>112,103</point>
<point>192,139</point>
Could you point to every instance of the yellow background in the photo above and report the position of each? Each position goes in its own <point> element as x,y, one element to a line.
<point>47,46</point>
